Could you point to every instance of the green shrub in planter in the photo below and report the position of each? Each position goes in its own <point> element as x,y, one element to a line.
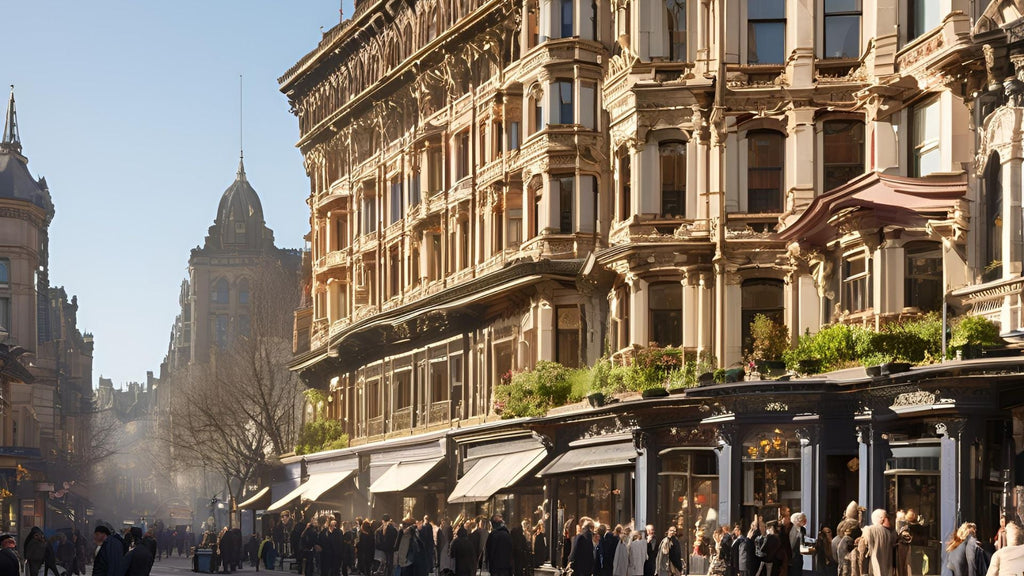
<point>972,333</point>
<point>769,339</point>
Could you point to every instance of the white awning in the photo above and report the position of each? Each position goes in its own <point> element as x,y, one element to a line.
<point>320,483</point>
<point>592,458</point>
<point>400,476</point>
<point>257,501</point>
<point>492,473</point>
<point>287,499</point>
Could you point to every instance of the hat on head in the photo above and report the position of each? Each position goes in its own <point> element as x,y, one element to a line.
<point>6,536</point>
<point>101,529</point>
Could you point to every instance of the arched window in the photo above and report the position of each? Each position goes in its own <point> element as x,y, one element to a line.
<point>676,21</point>
<point>243,291</point>
<point>760,296</point>
<point>922,285</point>
<point>765,162</point>
<point>219,292</point>
<point>993,235</point>
<point>665,303</point>
<point>673,179</point>
<point>842,151</point>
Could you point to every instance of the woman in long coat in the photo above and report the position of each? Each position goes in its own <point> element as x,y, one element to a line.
<point>464,554</point>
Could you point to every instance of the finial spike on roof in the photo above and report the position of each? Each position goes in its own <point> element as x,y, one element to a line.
<point>11,140</point>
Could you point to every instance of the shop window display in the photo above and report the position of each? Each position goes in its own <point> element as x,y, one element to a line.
<point>771,474</point>
<point>603,497</point>
<point>912,487</point>
<point>688,485</point>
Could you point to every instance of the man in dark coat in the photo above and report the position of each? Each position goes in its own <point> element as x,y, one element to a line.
<point>772,554</point>
<point>138,561</point>
<point>581,559</point>
<point>10,564</point>
<point>429,543</point>
<point>309,543</point>
<point>330,549</point>
<point>464,553</point>
<point>479,537</point>
<point>298,526</point>
<point>110,553</point>
<point>609,544</point>
<point>387,541</point>
<point>499,548</point>
<point>742,553</point>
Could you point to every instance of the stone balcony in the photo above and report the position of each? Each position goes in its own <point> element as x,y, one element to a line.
<point>936,49</point>
<point>335,261</point>
<point>999,301</point>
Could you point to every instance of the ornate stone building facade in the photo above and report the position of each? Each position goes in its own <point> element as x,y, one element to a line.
<point>495,184</point>
<point>47,401</point>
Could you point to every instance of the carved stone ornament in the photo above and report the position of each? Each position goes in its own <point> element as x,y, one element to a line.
<point>918,398</point>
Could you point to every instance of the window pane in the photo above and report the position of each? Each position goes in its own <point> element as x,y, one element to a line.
<point>665,296</point>
<point>567,28</point>
<point>5,271</point>
<point>565,109</point>
<point>842,36</point>
<point>565,202</point>
<point>834,6</point>
<point>766,9</point>
<point>677,29</point>
<point>673,179</point>
<point>764,172</point>
<point>926,16</point>
<point>843,151</point>
<point>766,42</point>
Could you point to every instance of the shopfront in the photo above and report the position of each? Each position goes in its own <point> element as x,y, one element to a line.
<point>594,479</point>
<point>410,481</point>
<point>688,488</point>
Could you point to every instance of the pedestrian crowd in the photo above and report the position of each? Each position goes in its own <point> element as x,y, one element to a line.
<point>323,546</point>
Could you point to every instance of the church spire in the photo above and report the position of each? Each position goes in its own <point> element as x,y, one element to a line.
<point>240,176</point>
<point>11,142</point>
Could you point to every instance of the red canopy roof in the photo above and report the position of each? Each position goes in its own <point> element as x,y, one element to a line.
<point>880,200</point>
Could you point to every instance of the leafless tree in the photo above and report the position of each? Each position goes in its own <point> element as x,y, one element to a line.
<point>230,415</point>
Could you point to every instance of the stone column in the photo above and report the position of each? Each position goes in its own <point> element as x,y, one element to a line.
<point>800,28</point>
<point>873,451</point>
<point>955,437</point>
<point>799,149</point>
<point>812,480</point>
<point>730,469</point>
<point>648,466</point>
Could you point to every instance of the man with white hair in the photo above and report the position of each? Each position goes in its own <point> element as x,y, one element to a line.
<point>1009,559</point>
<point>797,532</point>
<point>877,543</point>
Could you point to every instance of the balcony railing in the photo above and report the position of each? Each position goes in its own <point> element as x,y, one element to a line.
<point>401,419</point>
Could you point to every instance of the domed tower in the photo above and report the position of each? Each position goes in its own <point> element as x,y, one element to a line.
<point>26,211</point>
<point>223,271</point>
<point>239,224</point>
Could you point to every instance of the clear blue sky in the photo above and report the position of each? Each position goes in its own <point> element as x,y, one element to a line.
<point>129,108</point>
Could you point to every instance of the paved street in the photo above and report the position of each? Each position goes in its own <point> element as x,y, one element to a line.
<point>179,566</point>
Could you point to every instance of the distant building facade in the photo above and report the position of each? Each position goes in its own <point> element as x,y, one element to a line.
<point>45,432</point>
<point>216,297</point>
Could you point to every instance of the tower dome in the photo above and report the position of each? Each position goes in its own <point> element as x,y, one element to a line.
<point>239,220</point>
